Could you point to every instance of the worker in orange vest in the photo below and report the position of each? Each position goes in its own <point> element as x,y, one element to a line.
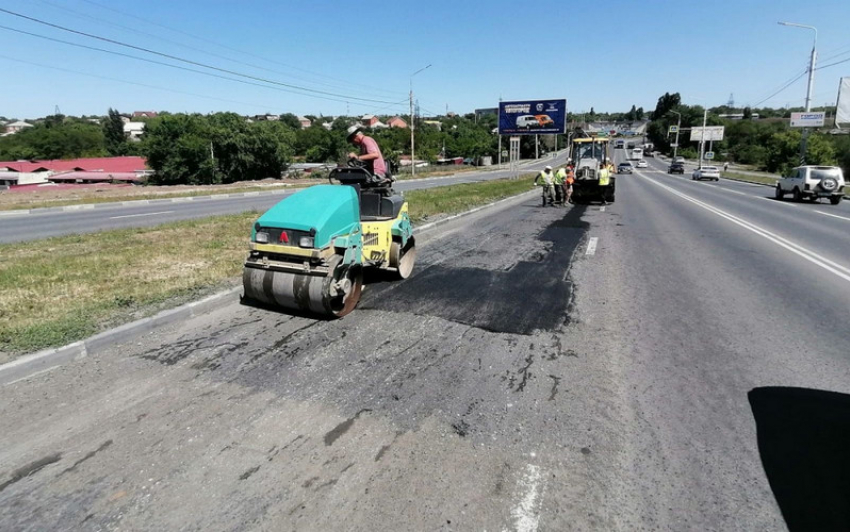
<point>568,185</point>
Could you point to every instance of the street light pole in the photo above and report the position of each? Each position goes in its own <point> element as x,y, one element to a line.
<point>412,150</point>
<point>811,84</point>
<point>702,137</point>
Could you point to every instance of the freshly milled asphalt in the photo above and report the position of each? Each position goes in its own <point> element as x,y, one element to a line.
<point>43,224</point>
<point>514,382</point>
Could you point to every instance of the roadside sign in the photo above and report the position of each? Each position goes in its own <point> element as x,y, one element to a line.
<point>533,117</point>
<point>709,155</point>
<point>504,153</point>
<point>711,133</point>
<point>807,119</point>
<point>674,129</point>
<point>674,145</point>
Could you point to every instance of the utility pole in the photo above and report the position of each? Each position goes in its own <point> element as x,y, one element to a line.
<point>702,137</point>
<point>678,127</point>
<point>412,126</point>
<point>212,161</point>
<point>810,86</point>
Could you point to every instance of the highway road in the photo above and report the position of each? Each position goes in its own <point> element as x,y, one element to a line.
<point>100,217</point>
<point>677,360</point>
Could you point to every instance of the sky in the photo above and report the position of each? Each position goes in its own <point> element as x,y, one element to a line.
<point>333,58</point>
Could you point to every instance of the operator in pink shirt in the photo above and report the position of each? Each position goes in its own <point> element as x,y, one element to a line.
<point>370,153</point>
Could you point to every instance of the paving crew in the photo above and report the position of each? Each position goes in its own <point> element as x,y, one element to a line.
<point>547,180</point>
<point>560,179</point>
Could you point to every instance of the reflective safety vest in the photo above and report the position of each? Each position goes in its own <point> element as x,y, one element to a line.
<point>604,177</point>
<point>547,178</point>
<point>560,176</point>
<point>571,177</point>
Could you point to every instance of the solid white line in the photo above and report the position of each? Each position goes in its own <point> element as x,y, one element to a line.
<point>526,513</point>
<point>591,246</point>
<point>809,255</point>
<point>138,215</point>
<point>833,215</point>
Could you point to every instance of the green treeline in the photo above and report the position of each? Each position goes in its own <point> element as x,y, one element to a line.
<point>227,147</point>
<point>767,143</point>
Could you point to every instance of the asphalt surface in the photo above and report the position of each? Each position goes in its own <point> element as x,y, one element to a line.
<point>587,368</point>
<point>101,217</point>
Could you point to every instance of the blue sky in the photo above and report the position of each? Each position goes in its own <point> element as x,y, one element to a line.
<point>606,55</point>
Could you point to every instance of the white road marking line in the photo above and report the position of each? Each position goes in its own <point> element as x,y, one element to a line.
<point>602,209</point>
<point>138,215</point>
<point>526,513</point>
<point>591,246</point>
<point>807,254</point>
<point>833,215</point>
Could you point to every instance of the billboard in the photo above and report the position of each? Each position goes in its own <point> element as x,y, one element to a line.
<point>533,117</point>
<point>711,133</point>
<point>842,112</point>
<point>807,119</point>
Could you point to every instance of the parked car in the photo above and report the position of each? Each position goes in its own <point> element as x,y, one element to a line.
<point>706,172</point>
<point>676,168</point>
<point>813,182</point>
<point>625,168</point>
<point>642,164</point>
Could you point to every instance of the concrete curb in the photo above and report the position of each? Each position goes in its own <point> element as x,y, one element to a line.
<point>29,365</point>
<point>35,363</point>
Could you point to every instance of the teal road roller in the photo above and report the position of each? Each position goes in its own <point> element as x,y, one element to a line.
<point>309,251</point>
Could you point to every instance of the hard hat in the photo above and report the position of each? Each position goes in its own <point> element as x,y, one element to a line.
<point>548,167</point>
<point>353,130</point>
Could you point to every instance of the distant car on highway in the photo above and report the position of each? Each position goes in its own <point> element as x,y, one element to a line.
<point>706,172</point>
<point>679,159</point>
<point>625,168</point>
<point>813,182</point>
<point>642,164</point>
<point>676,168</point>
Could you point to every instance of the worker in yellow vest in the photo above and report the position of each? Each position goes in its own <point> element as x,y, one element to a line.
<point>547,180</point>
<point>560,179</point>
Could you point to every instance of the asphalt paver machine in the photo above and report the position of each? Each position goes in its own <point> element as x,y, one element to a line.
<point>309,251</point>
<point>594,179</point>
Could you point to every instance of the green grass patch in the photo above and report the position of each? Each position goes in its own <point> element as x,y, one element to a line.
<point>63,289</point>
<point>453,199</point>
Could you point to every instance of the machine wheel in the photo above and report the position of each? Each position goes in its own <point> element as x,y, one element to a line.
<point>403,259</point>
<point>798,196</point>
<point>342,288</point>
<point>779,194</point>
<point>835,200</point>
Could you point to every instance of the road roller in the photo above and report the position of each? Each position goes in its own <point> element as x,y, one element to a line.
<point>309,251</point>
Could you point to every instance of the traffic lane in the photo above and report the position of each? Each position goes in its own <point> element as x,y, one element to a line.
<point>486,418</point>
<point>154,212</point>
<point>819,231</point>
<point>692,313</point>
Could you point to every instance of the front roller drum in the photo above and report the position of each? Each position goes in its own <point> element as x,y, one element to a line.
<point>333,295</point>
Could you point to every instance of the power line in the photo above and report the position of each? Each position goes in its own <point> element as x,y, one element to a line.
<point>833,64</point>
<point>207,52</point>
<point>780,90</point>
<point>152,61</point>
<point>208,41</point>
<point>189,61</point>
<point>267,107</point>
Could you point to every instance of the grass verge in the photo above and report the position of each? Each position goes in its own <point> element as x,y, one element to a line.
<point>63,289</point>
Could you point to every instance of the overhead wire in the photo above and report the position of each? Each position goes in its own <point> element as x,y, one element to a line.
<point>208,41</point>
<point>193,48</point>
<point>191,62</point>
<point>152,61</point>
<point>783,87</point>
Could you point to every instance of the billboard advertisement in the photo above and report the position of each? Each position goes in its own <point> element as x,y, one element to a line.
<point>842,111</point>
<point>706,134</point>
<point>533,117</point>
<point>807,119</point>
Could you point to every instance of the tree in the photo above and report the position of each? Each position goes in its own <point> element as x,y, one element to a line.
<point>639,113</point>
<point>665,104</point>
<point>113,133</point>
<point>290,120</point>
<point>748,113</point>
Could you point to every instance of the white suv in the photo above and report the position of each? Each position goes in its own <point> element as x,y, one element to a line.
<point>813,182</point>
